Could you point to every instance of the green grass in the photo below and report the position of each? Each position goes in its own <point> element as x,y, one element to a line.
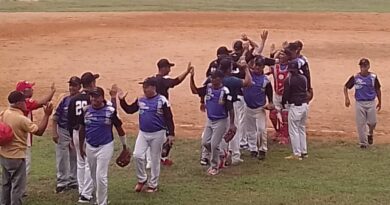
<point>197,5</point>
<point>335,173</point>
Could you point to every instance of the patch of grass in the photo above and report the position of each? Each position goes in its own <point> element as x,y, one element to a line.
<point>335,173</point>
<point>197,5</point>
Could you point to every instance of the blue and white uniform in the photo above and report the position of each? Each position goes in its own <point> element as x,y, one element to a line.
<point>255,115</point>
<point>365,93</point>
<point>155,122</point>
<point>66,158</point>
<point>99,137</point>
<point>218,104</point>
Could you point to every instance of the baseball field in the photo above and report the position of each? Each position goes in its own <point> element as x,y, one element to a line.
<point>49,41</point>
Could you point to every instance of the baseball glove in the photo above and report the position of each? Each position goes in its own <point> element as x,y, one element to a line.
<point>124,158</point>
<point>229,135</point>
<point>166,149</point>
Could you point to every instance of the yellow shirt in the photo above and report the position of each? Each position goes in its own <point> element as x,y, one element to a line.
<point>21,126</point>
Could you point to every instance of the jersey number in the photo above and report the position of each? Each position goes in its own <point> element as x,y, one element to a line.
<point>79,107</point>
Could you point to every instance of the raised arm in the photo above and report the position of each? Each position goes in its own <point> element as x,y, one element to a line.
<point>248,78</point>
<point>48,97</point>
<point>129,109</point>
<point>183,76</point>
<point>193,87</point>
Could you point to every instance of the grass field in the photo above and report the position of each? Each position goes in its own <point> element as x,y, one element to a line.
<point>196,5</point>
<point>336,173</point>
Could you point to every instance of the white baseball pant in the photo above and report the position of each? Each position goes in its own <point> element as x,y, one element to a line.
<point>83,172</point>
<point>297,116</point>
<point>99,161</point>
<point>154,141</point>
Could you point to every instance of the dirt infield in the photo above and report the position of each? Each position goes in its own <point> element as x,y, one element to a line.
<point>124,47</point>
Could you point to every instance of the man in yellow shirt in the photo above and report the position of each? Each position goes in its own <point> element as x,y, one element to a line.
<point>12,155</point>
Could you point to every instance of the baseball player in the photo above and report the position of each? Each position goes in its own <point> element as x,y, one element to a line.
<point>75,109</point>
<point>255,115</point>
<point>12,155</point>
<point>234,85</point>
<point>219,109</point>
<point>367,88</point>
<point>155,122</point>
<point>65,153</point>
<point>96,129</point>
<point>164,83</point>
<point>295,94</point>
<point>278,116</point>
<point>293,50</point>
<point>31,104</point>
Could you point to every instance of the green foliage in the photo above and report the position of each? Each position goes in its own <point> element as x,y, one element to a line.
<point>335,173</point>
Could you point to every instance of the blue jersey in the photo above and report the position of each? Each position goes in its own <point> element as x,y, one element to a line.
<point>61,114</point>
<point>255,95</point>
<point>151,114</point>
<point>365,86</point>
<point>98,124</point>
<point>217,101</point>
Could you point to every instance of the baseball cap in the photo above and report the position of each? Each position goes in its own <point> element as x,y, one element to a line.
<point>74,80</point>
<point>225,64</point>
<point>364,61</point>
<point>217,74</point>
<point>98,91</point>
<point>293,46</point>
<point>23,85</point>
<point>292,65</point>
<point>88,77</point>
<point>223,50</point>
<point>16,96</point>
<point>299,44</point>
<point>238,45</point>
<point>164,63</point>
<point>260,61</point>
<point>151,81</point>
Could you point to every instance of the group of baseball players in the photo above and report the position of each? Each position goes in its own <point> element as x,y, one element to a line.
<point>236,94</point>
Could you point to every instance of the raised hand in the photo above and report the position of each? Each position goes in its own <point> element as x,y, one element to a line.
<point>48,108</point>
<point>244,37</point>
<point>264,35</point>
<point>121,94</point>
<point>113,90</point>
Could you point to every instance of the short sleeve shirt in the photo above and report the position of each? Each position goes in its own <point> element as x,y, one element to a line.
<point>21,126</point>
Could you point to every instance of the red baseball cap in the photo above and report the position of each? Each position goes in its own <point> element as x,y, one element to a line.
<point>23,85</point>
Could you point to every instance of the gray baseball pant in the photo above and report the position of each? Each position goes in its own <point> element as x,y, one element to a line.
<point>212,137</point>
<point>13,180</point>
<point>66,159</point>
<point>365,116</point>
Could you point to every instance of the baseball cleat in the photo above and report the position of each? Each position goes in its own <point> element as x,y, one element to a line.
<point>151,190</point>
<point>84,200</point>
<point>305,155</point>
<point>212,172</point>
<point>60,189</point>
<point>236,162</point>
<point>261,155</point>
<point>139,186</point>
<point>204,162</point>
<point>363,146</point>
<point>370,139</point>
<point>166,162</point>
<point>293,157</point>
<point>254,154</point>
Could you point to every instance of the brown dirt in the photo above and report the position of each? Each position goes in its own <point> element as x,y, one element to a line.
<point>124,47</point>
